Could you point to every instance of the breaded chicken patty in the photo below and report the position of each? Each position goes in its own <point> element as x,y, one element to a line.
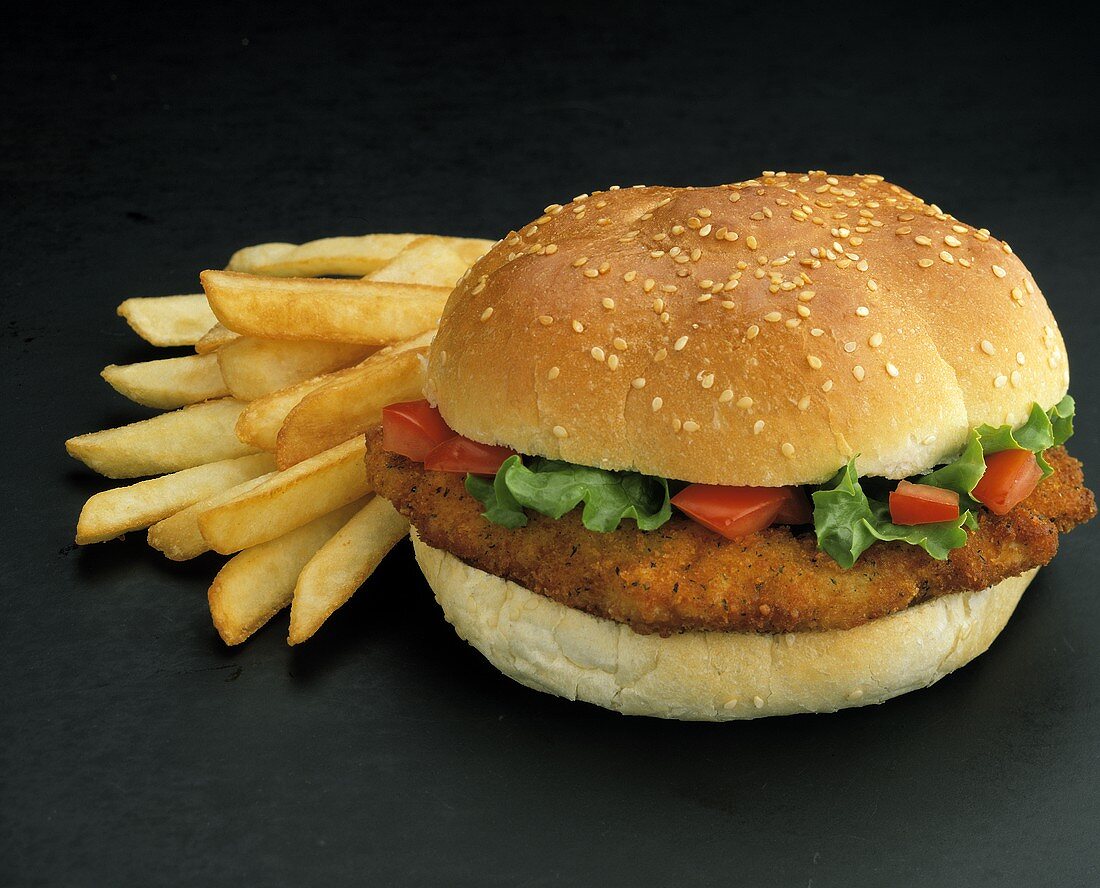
<point>685,577</point>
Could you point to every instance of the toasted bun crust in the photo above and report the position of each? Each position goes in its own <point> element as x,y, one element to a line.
<point>758,333</point>
<point>712,676</point>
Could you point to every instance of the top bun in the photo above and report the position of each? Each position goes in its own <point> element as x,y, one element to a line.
<point>759,333</point>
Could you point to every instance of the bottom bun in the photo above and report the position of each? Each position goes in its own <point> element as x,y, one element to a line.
<point>712,676</point>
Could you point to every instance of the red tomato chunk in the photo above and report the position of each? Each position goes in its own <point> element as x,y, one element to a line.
<point>413,429</point>
<point>732,511</point>
<point>922,504</point>
<point>1010,477</point>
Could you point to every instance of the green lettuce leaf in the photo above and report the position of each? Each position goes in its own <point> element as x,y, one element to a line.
<point>500,506</point>
<point>553,487</point>
<point>962,475</point>
<point>1061,420</point>
<point>847,522</point>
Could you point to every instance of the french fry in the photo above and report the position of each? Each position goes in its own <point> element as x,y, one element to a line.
<point>114,512</point>
<point>261,420</point>
<point>259,582</point>
<point>252,368</point>
<point>355,256</point>
<point>215,338</point>
<point>343,564</point>
<point>349,403</point>
<point>470,249</point>
<point>290,499</point>
<point>168,320</point>
<point>358,311</point>
<point>168,383</point>
<point>201,433</point>
<point>178,536</point>
<point>427,260</point>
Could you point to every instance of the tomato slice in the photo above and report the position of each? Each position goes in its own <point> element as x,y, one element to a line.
<point>1009,478</point>
<point>922,504</point>
<point>796,508</point>
<point>731,511</point>
<point>463,455</point>
<point>413,429</point>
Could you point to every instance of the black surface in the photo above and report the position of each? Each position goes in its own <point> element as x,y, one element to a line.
<point>140,147</point>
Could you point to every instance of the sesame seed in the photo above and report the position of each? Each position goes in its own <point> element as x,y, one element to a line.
<point>705,230</point>
<point>875,340</point>
<point>817,331</point>
<point>827,385</point>
<point>952,241</point>
<point>551,249</point>
<point>804,403</point>
<point>925,263</point>
<point>772,317</point>
<point>891,370</point>
<point>752,332</point>
<point>751,242</point>
<point>872,285</point>
<point>656,404</point>
<point>850,347</point>
<point>638,382</point>
<point>591,273</point>
<point>680,343</point>
<point>612,362</point>
<point>649,285</point>
<point>629,276</point>
<point>560,432</point>
<point>619,343</point>
<point>488,313</point>
<point>814,361</point>
<point>947,257</point>
<point>758,427</point>
<point>858,372</point>
<point>480,286</point>
<point>660,354</point>
<point>863,311</point>
<point>1020,359</point>
<point>707,381</point>
<point>605,268</point>
<point>578,326</point>
<point>607,302</point>
<point>579,261</point>
<point>1000,272</point>
<point>988,348</point>
<point>803,311</point>
<point>923,241</point>
<point>745,403</point>
<point>553,373</point>
<point>546,320</point>
<point>1000,381</point>
<point>787,449</point>
<point>598,353</point>
<point>1015,377</point>
<point>691,426</point>
<point>726,396</point>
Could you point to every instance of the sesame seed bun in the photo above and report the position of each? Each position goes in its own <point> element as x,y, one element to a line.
<point>760,333</point>
<point>712,676</point>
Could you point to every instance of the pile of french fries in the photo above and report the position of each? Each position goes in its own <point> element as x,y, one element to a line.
<point>261,453</point>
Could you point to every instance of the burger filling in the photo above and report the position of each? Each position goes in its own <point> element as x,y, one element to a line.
<point>998,469</point>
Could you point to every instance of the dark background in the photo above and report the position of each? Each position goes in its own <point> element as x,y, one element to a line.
<point>140,145</point>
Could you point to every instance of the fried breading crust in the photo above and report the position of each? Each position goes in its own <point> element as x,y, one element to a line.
<point>683,576</point>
